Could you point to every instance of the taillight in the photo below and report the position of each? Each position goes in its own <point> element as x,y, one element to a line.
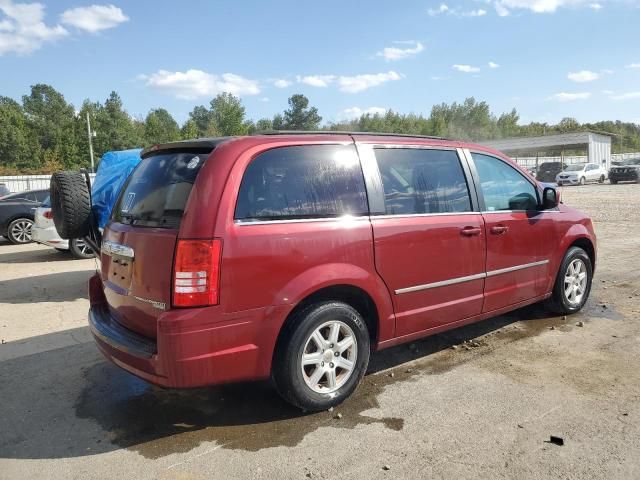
<point>196,273</point>
<point>48,214</point>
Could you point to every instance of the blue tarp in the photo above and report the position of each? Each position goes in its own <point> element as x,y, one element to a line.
<point>113,171</point>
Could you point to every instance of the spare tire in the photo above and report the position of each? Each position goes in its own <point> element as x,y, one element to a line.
<point>70,204</point>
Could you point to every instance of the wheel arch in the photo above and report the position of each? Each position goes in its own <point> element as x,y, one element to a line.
<point>354,296</point>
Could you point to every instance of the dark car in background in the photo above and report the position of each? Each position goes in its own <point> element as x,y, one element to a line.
<point>547,171</point>
<point>626,171</point>
<point>16,214</point>
<point>4,190</point>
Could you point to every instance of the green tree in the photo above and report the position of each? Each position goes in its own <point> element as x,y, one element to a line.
<point>51,120</point>
<point>160,127</point>
<point>227,116</point>
<point>18,149</point>
<point>508,124</point>
<point>115,129</point>
<point>201,117</point>
<point>189,130</point>
<point>300,116</point>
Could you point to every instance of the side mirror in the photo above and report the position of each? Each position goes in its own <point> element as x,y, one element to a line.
<point>550,198</point>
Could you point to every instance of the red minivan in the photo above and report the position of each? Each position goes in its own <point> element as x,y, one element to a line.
<point>295,255</point>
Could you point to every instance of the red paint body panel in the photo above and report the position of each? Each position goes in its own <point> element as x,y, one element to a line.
<point>268,269</point>
<point>421,250</point>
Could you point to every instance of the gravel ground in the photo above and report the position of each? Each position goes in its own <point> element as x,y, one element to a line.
<point>485,409</point>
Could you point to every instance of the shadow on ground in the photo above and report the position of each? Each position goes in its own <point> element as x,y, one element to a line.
<point>36,255</point>
<point>54,287</point>
<point>69,402</point>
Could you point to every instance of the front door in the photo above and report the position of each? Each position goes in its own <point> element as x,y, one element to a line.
<point>429,243</point>
<point>516,230</point>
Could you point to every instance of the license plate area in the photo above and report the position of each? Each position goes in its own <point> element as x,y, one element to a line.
<point>120,272</point>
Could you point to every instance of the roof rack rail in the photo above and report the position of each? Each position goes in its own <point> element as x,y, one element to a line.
<point>343,132</point>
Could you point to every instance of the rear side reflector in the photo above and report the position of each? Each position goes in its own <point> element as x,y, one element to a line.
<point>48,214</point>
<point>196,273</point>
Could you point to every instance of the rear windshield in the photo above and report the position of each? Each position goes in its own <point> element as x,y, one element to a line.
<point>156,193</point>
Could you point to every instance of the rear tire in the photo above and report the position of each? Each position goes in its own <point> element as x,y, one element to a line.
<point>19,231</point>
<point>80,249</point>
<point>613,182</point>
<point>601,179</point>
<point>70,204</point>
<point>322,355</point>
<point>573,283</point>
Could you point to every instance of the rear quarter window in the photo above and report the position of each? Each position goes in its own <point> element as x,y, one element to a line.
<point>312,181</point>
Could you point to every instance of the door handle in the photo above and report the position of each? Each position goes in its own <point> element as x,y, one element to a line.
<point>499,229</point>
<point>470,231</point>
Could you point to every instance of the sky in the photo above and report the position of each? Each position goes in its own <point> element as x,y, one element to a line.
<point>547,58</point>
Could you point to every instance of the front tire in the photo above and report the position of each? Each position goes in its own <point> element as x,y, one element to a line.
<point>322,355</point>
<point>582,181</point>
<point>20,231</point>
<point>573,283</point>
<point>613,182</point>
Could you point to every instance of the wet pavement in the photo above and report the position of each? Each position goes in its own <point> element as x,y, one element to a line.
<point>479,401</point>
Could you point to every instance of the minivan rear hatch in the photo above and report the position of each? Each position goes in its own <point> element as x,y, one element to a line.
<point>139,242</point>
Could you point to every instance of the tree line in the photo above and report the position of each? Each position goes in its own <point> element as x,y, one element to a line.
<point>44,133</point>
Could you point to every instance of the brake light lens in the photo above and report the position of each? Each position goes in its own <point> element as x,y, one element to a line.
<point>48,214</point>
<point>197,273</point>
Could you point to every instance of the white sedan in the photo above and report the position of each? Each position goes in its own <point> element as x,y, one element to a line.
<point>579,174</point>
<point>45,233</point>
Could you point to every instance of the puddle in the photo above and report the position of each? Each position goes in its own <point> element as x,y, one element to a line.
<point>156,422</point>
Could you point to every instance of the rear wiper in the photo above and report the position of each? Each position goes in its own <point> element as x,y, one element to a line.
<point>126,218</point>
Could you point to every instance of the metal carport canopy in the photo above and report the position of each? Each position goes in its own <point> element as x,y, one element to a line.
<point>598,144</point>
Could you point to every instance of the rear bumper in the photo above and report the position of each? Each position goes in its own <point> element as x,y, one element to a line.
<point>191,348</point>
<point>49,236</point>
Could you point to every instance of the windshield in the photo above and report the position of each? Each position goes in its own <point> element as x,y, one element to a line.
<point>574,168</point>
<point>157,191</point>
<point>46,202</point>
<point>631,161</point>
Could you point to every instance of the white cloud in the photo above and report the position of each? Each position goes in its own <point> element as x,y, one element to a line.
<point>265,99</point>
<point>196,83</point>
<point>94,18</point>
<point>443,8</point>
<point>595,6</point>
<point>606,71</point>
<point>396,53</point>
<point>349,84</point>
<point>359,83</point>
<point>493,65</point>
<point>465,68</point>
<point>634,66</point>
<point>608,92</point>
<point>356,112</point>
<point>569,97</point>
<point>626,96</point>
<point>282,83</point>
<point>23,31</point>
<point>503,7</point>
<point>475,13</point>
<point>321,81</point>
<point>583,76</point>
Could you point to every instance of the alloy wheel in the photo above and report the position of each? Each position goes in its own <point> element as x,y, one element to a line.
<point>575,282</point>
<point>329,357</point>
<point>21,231</point>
